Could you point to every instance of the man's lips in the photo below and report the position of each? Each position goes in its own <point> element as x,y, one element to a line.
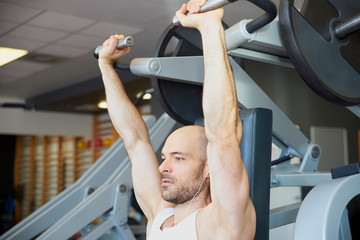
<point>166,181</point>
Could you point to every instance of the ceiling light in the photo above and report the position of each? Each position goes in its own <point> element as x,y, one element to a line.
<point>10,54</point>
<point>102,104</point>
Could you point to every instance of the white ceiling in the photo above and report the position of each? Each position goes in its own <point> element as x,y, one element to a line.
<point>69,30</point>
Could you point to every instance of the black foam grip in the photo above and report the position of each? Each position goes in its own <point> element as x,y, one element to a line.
<point>346,170</point>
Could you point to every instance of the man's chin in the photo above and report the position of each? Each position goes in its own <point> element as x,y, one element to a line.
<point>168,198</point>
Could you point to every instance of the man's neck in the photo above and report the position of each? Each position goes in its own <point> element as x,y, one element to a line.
<point>183,210</point>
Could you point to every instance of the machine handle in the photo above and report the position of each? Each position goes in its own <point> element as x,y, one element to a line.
<point>270,14</point>
<point>267,5</point>
<point>122,43</point>
<point>208,6</point>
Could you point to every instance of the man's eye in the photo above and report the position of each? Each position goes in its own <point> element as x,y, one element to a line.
<point>179,159</point>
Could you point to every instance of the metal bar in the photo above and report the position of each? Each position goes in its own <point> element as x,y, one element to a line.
<point>261,57</point>
<point>125,232</point>
<point>122,43</point>
<point>208,6</point>
<point>349,27</point>
<point>138,229</point>
<point>355,109</point>
<point>168,68</point>
<point>266,40</point>
<point>270,13</point>
<point>283,215</point>
<point>299,179</point>
<point>99,230</point>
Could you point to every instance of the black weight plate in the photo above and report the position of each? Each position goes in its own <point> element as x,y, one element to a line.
<point>329,65</point>
<point>182,101</point>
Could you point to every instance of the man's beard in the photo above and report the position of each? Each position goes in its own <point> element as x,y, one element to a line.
<point>182,193</point>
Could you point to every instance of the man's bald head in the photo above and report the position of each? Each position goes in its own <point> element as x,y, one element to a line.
<point>192,138</point>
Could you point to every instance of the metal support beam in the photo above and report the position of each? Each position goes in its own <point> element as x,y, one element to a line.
<point>283,215</point>
<point>297,179</point>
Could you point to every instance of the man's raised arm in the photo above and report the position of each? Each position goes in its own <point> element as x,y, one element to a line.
<point>229,184</point>
<point>132,129</point>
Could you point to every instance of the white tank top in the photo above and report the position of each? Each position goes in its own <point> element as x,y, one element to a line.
<point>185,229</point>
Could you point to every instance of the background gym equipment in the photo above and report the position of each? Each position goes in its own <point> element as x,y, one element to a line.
<point>106,176</point>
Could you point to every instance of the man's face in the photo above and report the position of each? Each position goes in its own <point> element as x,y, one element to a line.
<point>183,165</point>
<point>181,189</point>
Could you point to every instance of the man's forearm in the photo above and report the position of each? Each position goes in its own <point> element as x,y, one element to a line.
<point>124,115</point>
<point>219,95</point>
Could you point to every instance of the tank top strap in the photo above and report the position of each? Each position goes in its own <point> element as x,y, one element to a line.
<point>185,229</point>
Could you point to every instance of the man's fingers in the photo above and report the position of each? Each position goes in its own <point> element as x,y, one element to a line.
<point>105,43</point>
<point>112,44</point>
<point>191,7</point>
<point>195,5</point>
<point>180,14</point>
<point>117,36</point>
<point>202,2</point>
<point>183,9</point>
<point>125,51</point>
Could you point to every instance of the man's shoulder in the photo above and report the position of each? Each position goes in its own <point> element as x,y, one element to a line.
<point>207,226</point>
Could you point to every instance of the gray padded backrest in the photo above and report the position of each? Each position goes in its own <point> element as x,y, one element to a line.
<point>256,154</point>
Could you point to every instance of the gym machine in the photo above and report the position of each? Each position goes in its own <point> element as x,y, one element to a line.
<point>322,47</point>
<point>285,42</point>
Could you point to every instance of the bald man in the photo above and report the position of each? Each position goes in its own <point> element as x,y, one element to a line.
<point>200,190</point>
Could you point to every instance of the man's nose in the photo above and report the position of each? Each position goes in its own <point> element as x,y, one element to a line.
<point>165,166</point>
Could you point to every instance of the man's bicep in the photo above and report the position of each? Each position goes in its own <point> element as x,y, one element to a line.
<point>146,177</point>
